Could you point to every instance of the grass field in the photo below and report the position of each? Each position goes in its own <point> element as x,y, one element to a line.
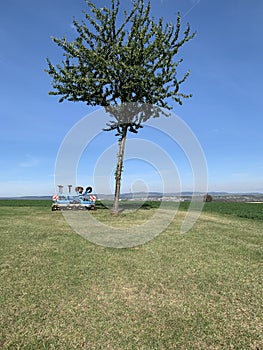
<point>199,290</point>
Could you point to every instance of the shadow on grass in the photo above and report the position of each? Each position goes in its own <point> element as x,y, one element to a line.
<point>133,205</point>
<point>129,205</point>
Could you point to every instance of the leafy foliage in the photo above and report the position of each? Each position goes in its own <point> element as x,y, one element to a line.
<point>130,62</point>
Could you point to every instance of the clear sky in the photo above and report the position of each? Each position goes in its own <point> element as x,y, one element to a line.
<point>225,112</point>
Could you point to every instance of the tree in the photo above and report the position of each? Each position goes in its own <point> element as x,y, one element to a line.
<point>116,61</point>
<point>208,198</point>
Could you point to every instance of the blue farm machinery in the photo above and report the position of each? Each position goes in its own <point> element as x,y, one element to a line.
<point>82,200</point>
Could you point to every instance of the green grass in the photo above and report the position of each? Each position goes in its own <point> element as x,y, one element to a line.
<point>25,203</point>
<point>242,210</point>
<point>200,290</point>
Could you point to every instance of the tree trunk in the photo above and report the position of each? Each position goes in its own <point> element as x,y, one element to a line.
<point>118,172</point>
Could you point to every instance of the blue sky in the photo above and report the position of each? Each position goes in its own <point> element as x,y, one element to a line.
<point>225,113</point>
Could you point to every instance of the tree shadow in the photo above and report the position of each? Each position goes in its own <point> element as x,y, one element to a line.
<point>128,205</point>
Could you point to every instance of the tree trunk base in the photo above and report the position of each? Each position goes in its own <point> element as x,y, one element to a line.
<point>115,212</point>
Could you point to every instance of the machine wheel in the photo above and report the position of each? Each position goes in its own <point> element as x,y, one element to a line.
<point>54,208</point>
<point>89,189</point>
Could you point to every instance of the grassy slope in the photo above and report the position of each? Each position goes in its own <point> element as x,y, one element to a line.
<point>201,290</point>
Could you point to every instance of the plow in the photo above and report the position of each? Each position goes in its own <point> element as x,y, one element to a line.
<point>82,200</point>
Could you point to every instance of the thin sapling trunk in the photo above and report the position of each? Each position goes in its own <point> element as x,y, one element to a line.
<point>119,167</point>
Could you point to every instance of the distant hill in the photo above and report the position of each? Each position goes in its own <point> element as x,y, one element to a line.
<point>184,196</point>
<point>187,196</point>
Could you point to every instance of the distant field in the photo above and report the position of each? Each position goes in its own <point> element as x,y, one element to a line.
<point>25,203</point>
<point>199,290</point>
<point>243,210</point>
